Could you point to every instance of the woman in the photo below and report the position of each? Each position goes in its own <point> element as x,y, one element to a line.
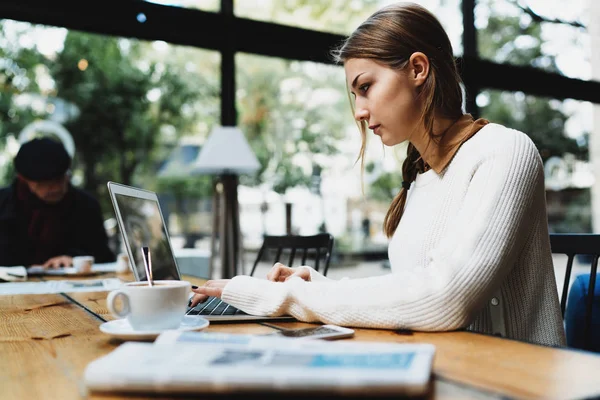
<point>469,243</point>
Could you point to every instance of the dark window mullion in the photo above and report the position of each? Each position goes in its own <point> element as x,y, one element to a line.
<point>470,54</point>
<point>228,110</point>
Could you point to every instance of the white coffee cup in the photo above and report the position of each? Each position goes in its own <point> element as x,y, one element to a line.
<point>83,264</point>
<point>151,308</point>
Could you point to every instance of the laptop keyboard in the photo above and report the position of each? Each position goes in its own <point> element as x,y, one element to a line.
<point>214,306</point>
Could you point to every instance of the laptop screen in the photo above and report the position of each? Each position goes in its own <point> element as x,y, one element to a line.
<point>144,226</point>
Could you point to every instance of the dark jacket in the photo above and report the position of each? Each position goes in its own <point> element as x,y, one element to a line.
<point>85,233</point>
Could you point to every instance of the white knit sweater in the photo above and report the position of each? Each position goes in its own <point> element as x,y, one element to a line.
<point>471,251</point>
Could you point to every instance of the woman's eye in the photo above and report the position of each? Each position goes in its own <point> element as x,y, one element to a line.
<point>364,87</point>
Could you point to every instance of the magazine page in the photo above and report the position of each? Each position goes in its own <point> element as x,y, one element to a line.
<point>192,337</point>
<point>281,365</point>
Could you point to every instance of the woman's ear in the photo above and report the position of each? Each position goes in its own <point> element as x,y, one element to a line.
<point>418,66</point>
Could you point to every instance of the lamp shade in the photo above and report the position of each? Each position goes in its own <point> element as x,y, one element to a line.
<point>226,151</point>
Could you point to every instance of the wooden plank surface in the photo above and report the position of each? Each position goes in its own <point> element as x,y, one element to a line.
<point>486,362</point>
<point>46,341</point>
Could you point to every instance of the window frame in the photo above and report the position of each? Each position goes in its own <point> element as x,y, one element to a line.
<point>228,34</point>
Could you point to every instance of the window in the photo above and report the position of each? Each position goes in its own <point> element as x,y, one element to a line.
<point>126,103</point>
<point>295,114</point>
<point>297,117</point>
<point>342,16</point>
<point>561,131</point>
<point>510,32</point>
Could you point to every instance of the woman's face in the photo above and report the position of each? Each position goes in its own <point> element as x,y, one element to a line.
<point>385,98</point>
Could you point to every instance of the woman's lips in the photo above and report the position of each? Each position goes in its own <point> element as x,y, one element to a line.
<point>375,129</point>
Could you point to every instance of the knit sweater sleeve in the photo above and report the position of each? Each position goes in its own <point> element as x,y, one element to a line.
<point>316,276</point>
<point>465,268</point>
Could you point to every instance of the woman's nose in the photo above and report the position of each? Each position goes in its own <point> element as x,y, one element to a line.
<point>361,114</point>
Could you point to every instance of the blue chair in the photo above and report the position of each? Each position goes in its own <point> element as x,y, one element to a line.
<point>575,314</point>
<point>581,311</point>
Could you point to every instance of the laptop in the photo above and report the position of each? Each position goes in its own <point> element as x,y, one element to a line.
<point>141,224</point>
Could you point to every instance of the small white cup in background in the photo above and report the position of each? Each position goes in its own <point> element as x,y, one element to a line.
<point>151,308</point>
<point>83,264</point>
<point>122,263</point>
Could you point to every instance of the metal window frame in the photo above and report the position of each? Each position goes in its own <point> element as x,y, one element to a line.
<point>228,34</point>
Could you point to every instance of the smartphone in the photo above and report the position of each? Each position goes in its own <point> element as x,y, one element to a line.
<point>318,332</point>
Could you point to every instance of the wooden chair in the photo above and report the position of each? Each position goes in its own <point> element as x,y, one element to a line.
<point>315,251</point>
<point>572,245</point>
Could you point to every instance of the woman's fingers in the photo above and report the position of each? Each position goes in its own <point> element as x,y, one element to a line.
<point>278,273</point>
<point>210,289</point>
<point>301,272</point>
<point>273,273</point>
<point>281,273</point>
<point>197,299</point>
<point>203,293</point>
<point>304,273</point>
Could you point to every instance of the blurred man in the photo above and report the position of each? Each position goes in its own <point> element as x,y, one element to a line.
<point>44,220</point>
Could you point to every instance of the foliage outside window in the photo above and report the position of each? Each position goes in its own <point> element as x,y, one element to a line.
<point>129,103</point>
<point>125,102</point>
<point>543,34</point>
<point>535,34</point>
<point>343,16</point>
<point>560,130</point>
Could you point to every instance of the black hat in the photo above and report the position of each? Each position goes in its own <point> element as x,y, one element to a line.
<point>42,159</point>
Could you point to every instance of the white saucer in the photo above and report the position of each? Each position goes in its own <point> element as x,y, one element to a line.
<point>121,329</point>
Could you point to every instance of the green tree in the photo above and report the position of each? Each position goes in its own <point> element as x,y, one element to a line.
<point>518,40</point>
<point>340,16</point>
<point>17,78</point>
<point>284,125</point>
<point>290,113</point>
<point>385,186</point>
<point>118,127</point>
<point>536,117</point>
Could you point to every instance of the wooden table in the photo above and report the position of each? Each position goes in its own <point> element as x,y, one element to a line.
<point>46,341</point>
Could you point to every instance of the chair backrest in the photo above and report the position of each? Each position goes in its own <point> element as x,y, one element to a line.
<point>314,251</point>
<point>573,244</point>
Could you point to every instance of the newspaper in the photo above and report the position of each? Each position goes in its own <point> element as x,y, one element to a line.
<point>223,363</point>
<point>20,273</point>
<point>66,286</point>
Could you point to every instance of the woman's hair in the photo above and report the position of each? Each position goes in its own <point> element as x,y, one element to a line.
<point>390,36</point>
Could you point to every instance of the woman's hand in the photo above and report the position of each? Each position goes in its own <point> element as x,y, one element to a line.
<point>210,288</point>
<point>281,273</point>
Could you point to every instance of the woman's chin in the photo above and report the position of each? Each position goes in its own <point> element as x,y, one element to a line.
<point>387,141</point>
